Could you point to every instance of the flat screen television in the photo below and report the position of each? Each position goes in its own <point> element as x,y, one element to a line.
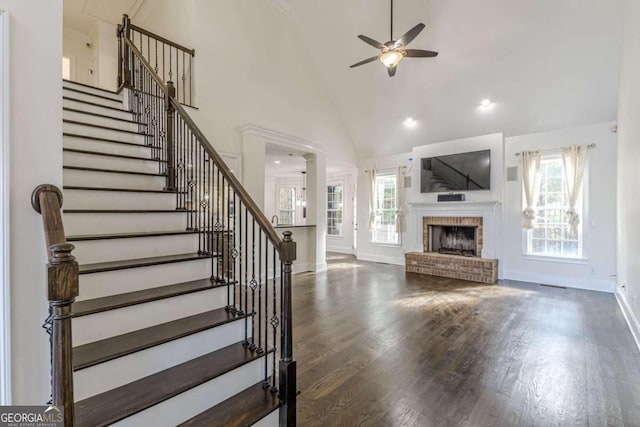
<point>456,172</point>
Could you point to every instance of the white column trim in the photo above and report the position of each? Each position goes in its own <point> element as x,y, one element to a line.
<point>5,282</point>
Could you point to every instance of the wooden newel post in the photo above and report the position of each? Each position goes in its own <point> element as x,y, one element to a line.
<point>288,387</point>
<point>126,26</point>
<point>120,59</point>
<point>62,290</point>
<point>171,112</point>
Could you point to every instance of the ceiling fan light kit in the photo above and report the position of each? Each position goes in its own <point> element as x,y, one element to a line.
<point>393,51</point>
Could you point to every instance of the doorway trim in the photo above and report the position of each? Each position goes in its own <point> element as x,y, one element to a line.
<point>5,282</point>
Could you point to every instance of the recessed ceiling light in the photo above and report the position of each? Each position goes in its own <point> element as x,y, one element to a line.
<point>410,121</point>
<point>277,162</point>
<point>486,103</point>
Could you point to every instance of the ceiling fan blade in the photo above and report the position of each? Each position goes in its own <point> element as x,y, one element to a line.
<point>410,35</point>
<point>370,41</point>
<point>392,71</point>
<point>418,53</point>
<point>366,61</point>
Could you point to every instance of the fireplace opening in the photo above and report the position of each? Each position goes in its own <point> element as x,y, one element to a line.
<point>454,240</point>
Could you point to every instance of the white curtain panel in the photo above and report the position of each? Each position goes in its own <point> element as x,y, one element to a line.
<point>531,186</point>
<point>400,213</point>
<point>372,199</point>
<point>574,162</point>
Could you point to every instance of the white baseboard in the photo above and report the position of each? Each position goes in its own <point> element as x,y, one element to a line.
<point>630,317</point>
<point>301,267</point>
<point>600,285</point>
<point>340,250</point>
<point>363,256</point>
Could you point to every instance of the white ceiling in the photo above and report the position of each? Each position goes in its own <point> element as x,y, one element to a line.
<point>81,15</point>
<point>545,63</point>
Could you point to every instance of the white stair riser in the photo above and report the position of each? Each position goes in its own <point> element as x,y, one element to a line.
<point>110,323</point>
<point>70,103</point>
<point>74,177</point>
<point>271,420</point>
<point>196,400</point>
<point>114,373</point>
<point>107,283</point>
<point>92,98</point>
<point>72,85</point>
<point>70,158</point>
<point>88,199</point>
<point>80,129</point>
<point>101,121</point>
<point>103,223</point>
<point>107,147</point>
<point>90,251</point>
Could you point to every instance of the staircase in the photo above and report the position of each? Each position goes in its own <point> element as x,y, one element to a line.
<point>174,308</point>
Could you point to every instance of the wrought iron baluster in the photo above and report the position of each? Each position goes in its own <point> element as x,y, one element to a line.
<point>274,324</point>
<point>253,284</point>
<point>246,275</point>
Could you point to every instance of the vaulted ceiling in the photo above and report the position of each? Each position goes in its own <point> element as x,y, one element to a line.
<point>545,64</point>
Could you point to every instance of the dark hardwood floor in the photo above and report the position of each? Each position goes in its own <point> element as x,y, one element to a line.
<point>378,347</point>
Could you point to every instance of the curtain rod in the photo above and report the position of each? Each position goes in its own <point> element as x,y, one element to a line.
<point>554,149</point>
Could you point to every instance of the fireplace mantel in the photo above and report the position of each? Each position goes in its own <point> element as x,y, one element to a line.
<point>488,210</point>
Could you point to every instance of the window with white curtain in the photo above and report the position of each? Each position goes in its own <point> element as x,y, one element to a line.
<point>386,209</point>
<point>553,236</point>
<point>334,209</point>
<point>287,205</point>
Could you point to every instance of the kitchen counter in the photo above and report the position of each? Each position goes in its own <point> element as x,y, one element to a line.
<point>293,226</point>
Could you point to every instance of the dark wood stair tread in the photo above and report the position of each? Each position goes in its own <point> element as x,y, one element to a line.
<point>122,402</point>
<point>88,169</point>
<point>75,122</point>
<point>242,410</point>
<point>113,141</point>
<point>120,156</point>
<point>139,262</point>
<point>101,351</point>
<point>115,211</point>
<point>104,116</point>
<point>89,86</point>
<point>98,305</point>
<point>131,190</point>
<point>109,98</point>
<point>86,237</point>
<point>95,104</point>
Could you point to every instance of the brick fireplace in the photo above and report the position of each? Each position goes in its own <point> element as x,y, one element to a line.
<point>452,247</point>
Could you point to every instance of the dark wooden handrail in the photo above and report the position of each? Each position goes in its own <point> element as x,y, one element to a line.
<point>148,33</point>
<point>176,115</point>
<point>255,211</point>
<point>62,290</point>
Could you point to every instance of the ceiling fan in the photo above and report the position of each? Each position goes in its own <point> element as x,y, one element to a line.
<point>393,51</point>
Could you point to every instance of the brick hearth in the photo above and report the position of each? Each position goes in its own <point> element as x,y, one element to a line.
<point>475,269</point>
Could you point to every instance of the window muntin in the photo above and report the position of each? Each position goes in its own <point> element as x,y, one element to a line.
<point>553,236</point>
<point>287,205</point>
<point>386,209</point>
<point>335,196</point>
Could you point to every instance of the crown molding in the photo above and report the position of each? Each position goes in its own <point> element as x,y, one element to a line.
<point>281,138</point>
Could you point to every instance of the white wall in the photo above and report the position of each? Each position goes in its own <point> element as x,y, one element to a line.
<point>74,46</point>
<point>36,128</point>
<point>343,244</point>
<point>628,283</point>
<point>249,68</point>
<point>595,271</point>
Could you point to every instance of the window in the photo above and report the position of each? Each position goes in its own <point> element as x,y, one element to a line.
<point>553,235</point>
<point>287,205</point>
<point>385,203</point>
<point>334,210</point>
<point>66,68</point>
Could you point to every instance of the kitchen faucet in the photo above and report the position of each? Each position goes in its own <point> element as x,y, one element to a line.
<point>277,220</point>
